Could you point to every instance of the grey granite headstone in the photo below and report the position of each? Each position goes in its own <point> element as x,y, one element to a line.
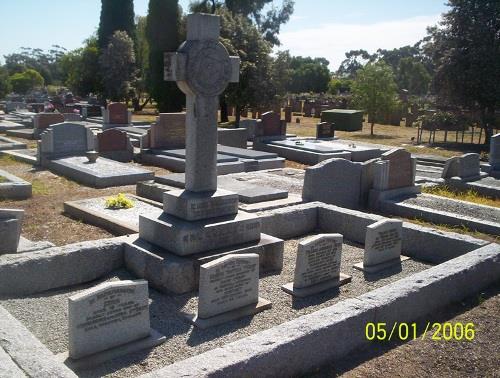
<point>494,157</point>
<point>106,316</point>
<point>466,166</point>
<point>334,181</point>
<point>10,230</point>
<point>383,242</point>
<point>317,266</point>
<point>229,286</point>
<point>66,139</point>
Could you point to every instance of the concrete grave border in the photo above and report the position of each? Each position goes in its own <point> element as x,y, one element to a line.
<point>11,144</point>
<point>20,155</point>
<point>14,187</point>
<point>466,265</point>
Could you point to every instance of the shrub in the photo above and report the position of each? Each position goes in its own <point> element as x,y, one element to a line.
<point>119,202</point>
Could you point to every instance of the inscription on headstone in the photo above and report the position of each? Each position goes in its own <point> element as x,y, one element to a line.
<point>401,168</point>
<point>317,267</point>
<point>318,260</point>
<point>324,130</point>
<point>228,283</point>
<point>109,315</point>
<point>383,242</point>
<point>117,113</point>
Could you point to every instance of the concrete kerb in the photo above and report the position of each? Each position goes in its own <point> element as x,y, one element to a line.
<point>279,351</point>
<point>14,187</point>
<point>27,352</point>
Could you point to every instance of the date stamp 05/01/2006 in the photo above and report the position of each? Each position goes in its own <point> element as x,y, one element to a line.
<point>410,331</point>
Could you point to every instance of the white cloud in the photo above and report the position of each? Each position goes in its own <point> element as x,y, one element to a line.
<point>332,41</point>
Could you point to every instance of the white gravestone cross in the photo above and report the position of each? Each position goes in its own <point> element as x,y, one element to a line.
<point>202,69</point>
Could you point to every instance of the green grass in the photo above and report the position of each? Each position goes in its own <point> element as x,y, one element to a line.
<point>469,195</point>
<point>38,187</point>
<point>462,229</point>
<point>3,179</point>
<point>7,160</point>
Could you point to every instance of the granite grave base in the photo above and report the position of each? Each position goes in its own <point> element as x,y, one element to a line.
<point>252,309</point>
<point>101,174</point>
<point>380,267</point>
<point>317,288</point>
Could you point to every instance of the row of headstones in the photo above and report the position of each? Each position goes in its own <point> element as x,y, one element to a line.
<point>348,184</point>
<point>115,313</point>
<point>72,139</point>
<point>169,130</point>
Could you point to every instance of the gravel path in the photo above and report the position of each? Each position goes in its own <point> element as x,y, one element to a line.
<point>46,315</point>
<point>459,208</point>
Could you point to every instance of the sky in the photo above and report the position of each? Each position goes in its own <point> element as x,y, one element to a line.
<point>318,28</point>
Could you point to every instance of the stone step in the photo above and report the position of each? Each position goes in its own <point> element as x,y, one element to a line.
<point>170,273</point>
<point>190,237</point>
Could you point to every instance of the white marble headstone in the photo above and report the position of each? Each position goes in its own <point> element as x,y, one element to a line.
<point>228,283</point>
<point>383,242</point>
<point>108,315</point>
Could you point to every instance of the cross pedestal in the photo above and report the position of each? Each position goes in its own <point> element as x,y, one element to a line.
<point>201,217</point>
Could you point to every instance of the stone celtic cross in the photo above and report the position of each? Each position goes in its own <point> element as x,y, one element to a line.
<point>202,69</point>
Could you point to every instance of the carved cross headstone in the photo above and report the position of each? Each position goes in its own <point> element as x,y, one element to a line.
<point>202,69</point>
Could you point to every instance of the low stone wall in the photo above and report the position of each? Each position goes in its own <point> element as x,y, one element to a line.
<point>35,272</point>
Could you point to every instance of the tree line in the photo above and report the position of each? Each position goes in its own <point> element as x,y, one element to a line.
<point>458,61</point>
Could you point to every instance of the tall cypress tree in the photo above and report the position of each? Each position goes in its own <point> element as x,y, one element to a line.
<point>163,35</point>
<point>115,15</point>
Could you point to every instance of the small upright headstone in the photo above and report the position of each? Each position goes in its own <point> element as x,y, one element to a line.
<point>307,109</point>
<point>66,139</point>
<point>115,115</point>
<point>396,169</point>
<point>494,158</point>
<point>271,124</point>
<point>338,182</point>
<point>229,290</point>
<point>115,144</point>
<point>317,267</point>
<point>41,121</point>
<point>10,230</point>
<point>383,242</point>
<point>466,167</point>
<point>251,126</point>
<point>168,132</point>
<point>288,114</point>
<point>325,130</point>
<point>108,316</point>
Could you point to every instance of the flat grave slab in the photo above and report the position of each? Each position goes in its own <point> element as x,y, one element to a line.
<point>119,221</point>
<point>22,133</point>
<point>101,174</point>
<point>245,153</point>
<point>13,187</point>
<point>181,154</point>
<point>10,125</point>
<point>247,193</point>
<point>9,144</point>
<point>154,191</point>
<point>137,131</point>
<point>442,210</point>
<point>28,155</point>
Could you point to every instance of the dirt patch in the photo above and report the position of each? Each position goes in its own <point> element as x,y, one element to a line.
<point>433,358</point>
